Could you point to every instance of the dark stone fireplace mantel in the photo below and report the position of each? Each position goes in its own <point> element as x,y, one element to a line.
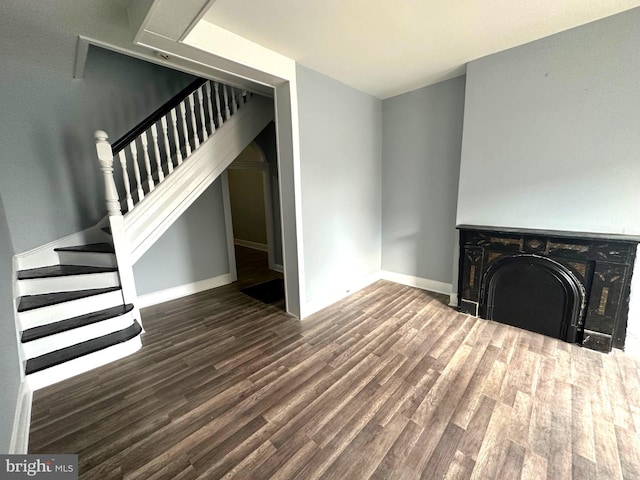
<point>592,271</point>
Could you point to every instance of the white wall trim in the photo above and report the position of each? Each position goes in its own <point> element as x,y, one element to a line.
<point>263,166</point>
<point>228,226</point>
<point>418,282</point>
<point>263,247</point>
<point>453,299</point>
<point>268,209</point>
<point>318,304</point>
<point>18,326</point>
<point>82,49</point>
<point>22,421</point>
<point>180,291</point>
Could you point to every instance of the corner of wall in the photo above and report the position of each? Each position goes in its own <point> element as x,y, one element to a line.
<point>22,421</point>
<point>418,282</point>
<point>317,304</point>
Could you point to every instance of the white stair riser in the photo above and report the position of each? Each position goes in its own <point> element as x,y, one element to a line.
<point>35,348</point>
<point>46,255</point>
<point>88,259</point>
<point>73,308</point>
<point>52,375</point>
<point>68,283</point>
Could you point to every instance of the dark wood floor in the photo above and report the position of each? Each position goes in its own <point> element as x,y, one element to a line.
<point>252,267</point>
<point>390,383</point>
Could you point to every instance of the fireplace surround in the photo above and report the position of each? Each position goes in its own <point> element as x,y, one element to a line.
<point>567,285</point>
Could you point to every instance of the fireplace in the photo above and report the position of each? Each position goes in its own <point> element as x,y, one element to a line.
<point>566,285</point>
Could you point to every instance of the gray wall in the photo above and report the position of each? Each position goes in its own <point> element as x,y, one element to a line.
<point>246,191</point>
<point>551,132</point>
<point>421,141</point>
<point>340,152</point>
<point>9,359</point>
<point>48,160</point>
<point>194,248</point>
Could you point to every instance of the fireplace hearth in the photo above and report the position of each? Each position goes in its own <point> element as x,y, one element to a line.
<point>567,285</point>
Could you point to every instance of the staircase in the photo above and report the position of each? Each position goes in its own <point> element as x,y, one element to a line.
<point>76,297</point>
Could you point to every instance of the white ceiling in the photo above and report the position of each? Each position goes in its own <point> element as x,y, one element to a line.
<point>388,47</point>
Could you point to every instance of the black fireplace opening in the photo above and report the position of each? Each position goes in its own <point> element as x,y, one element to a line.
<point>534,293</point>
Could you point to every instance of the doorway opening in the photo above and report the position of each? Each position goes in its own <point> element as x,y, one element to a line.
<point>251,183</point>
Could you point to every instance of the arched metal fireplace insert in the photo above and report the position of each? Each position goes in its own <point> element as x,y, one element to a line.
<point>534,293</point>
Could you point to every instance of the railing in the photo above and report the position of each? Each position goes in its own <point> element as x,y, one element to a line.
<point>164,140</point>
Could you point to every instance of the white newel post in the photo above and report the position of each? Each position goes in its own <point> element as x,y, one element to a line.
<point>105,156</point>
<point>116,223</point>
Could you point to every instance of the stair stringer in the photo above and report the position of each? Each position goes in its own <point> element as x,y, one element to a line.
<point>163,206</point>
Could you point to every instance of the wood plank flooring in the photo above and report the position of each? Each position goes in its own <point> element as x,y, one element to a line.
<point>390,383</point>
<point>252,267</point>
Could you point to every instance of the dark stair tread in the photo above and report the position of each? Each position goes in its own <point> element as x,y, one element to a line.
<point>29,302</point>
<point>61,271</point>
<point>85,348</point>
<point>91,248</point>
<point>75,322</point>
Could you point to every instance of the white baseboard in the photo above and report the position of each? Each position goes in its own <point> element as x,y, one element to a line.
<point>22,421</point>
<point>453,299</point>
<point>418,282</point>
<point>180,291</point>
<point>263,247</point>
<point>318,304</point>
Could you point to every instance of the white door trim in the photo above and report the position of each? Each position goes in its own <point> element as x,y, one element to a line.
<point>263,166</point>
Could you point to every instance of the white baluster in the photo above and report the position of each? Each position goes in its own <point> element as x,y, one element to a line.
<point>216,89</point>
<point>156,152</point>
<point>185,129</point>
<point>176,137</point>
<point>125,180</point>
<point>105,156</point>
<point>242,93</point>
<point>194,126</point>
<point>136,169</point>
<point>167,147</point>
<point>234,105</point>
<point>147,161</point>
<point>203,119</point>
<point>227,113</point>
<point>210,107</point>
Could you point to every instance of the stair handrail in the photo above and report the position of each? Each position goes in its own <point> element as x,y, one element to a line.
<point>145,124</point>
<point>164,140</point>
